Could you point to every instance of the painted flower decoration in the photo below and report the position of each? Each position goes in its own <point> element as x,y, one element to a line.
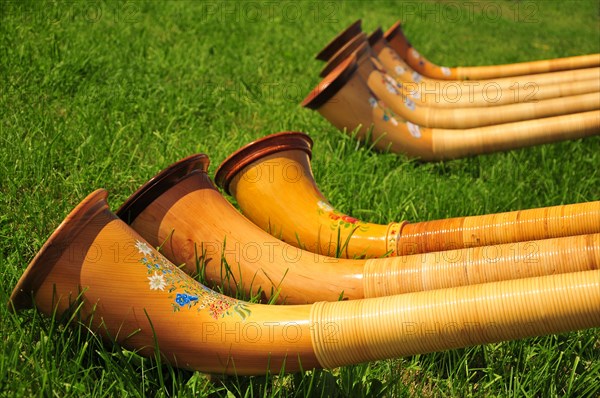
<point>184,298</point>
<point>373,103</point>
<point>409,103</point>
<point>416,77</point>
<point>392,81</point>
<point>324,205</point>
<point>349,219</point>
<point>414,129</point>
<point>143,248</point>
<point>157,281</point>
<point>399,70</point>
<point>389,116</point>
<point>390,88</point>
<point>183,292</point>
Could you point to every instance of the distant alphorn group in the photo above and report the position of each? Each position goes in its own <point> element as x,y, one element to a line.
<point>404,288</point>
<point>380,87</point>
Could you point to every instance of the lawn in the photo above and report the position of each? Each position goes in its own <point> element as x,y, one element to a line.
<point>105,94</point>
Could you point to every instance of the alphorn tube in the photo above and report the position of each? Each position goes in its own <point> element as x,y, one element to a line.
<point>390,91</point>
<point>453,94</point>
<point>344,99</point>
<point>537,86</point>
<point>145,303</point>
<point>257,174</point>
<point>418,62</point>
<point>181,210</point>
<point>480,93</point>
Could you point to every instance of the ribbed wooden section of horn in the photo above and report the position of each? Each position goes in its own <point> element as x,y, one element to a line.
<point>398,41</point>
<point>435,270</point>
<point>492,229</point>
<point>352,332</point>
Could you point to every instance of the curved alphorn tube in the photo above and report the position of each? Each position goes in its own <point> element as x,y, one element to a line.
<point>390,91</point>
<point>257,174</point>
<point>527,85</point>
<point>180,210</point>
<point>344,99</point>
<point>587,70</point>
<point>453,94</point>
<point>418,62</point>
<point>479,93</point>
<point>145,303</point>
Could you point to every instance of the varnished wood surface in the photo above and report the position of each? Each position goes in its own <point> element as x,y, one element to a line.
<point>391,92</point>
<point>272,182</point>
<point>141,301</point>
<point>348,103</point>
<point>417,61</point>
<point>197,228</point>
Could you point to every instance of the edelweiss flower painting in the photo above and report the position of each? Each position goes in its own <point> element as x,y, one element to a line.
<point>143,248</point>
<point>157,281</point>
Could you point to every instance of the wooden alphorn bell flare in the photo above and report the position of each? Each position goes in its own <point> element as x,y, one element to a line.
<point>143,302</point>
<point>418,62</point>
<point>391,93</point>
<point>257,174</point>
<point>353,35</point>
<point>180,210</point>
<point>344,99</point>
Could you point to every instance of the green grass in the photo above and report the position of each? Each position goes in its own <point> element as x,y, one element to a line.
<point>98,94</point>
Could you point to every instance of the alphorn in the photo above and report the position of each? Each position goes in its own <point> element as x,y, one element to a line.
<point>405,74</point>
<point>418,62</point>
<point>143,302</point>
<point>391,92</point>
<point>258,174</point>
<point>181,211</point>
<point>453,94</point>
<point>344,99</point>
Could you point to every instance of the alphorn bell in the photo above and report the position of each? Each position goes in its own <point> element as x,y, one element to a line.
<point>142,301</point>
<point>344,99</point>
<point>258,174</point>
<point>347,49</point>
<point>391,92</point>
<point>180,210</point>
<point>398,41</point>
<point>337,43</point>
